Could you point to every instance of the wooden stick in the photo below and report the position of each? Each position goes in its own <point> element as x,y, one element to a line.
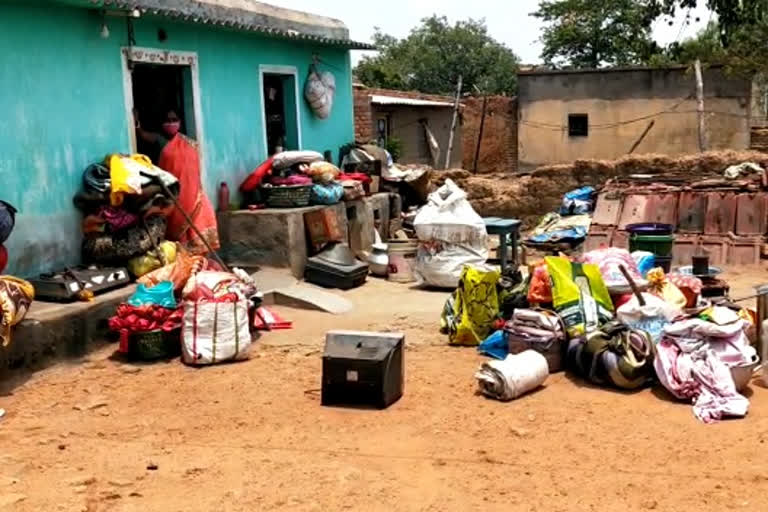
<point>633,285</point>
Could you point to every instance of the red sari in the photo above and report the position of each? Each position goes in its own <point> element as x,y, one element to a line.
<point>180,158</point>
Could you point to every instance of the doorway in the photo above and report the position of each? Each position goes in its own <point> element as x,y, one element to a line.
<point>156,90</point>
<point>156,81</point>
<point>279,93</point>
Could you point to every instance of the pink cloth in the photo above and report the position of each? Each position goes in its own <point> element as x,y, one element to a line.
<point>690,368</point>
<point>608,261</point>
<point>296,179</point>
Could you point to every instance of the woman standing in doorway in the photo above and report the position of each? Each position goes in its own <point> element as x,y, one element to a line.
<point>179,156</point>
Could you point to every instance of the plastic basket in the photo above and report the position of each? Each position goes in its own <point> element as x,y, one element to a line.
<point>290,196</point>
<point>152,345</point>
<point>660,245</point>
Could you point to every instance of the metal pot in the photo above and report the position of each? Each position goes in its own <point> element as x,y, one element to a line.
<point>378,261</point>
<point>743,373</point>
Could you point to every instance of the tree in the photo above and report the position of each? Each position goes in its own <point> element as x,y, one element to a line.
<point>433,56</point>
<point>734,16</point>
<point>706,46</point>
<point>595,33</point>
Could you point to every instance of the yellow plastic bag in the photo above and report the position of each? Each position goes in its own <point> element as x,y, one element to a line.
<point>142,265</point>
<point>475,307</point>
<point>663,288</point>
<point>125,175</point>
<point>579,295</point>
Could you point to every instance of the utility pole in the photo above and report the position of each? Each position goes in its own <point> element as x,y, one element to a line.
<point>700,106</point>
<point>453,124</point>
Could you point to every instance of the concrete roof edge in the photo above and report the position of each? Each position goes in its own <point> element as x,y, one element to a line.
<point>239,14</point>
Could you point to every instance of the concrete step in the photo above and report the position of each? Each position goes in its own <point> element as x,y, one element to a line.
<point>53,331</point>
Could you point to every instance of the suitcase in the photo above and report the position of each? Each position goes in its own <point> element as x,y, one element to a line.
<point>334,275</point>
<point>363,368</point>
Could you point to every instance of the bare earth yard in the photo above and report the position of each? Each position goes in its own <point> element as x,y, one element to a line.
<point>102,435</point>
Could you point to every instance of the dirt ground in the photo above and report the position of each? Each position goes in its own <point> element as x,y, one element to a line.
<point>103,435</point>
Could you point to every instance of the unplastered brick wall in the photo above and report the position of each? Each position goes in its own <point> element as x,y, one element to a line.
<point>363,110</point>
<point>498,148</point>
<point>498,151</point>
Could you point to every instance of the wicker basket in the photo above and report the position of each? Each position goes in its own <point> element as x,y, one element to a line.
<point>289,196</point>
<point>152,345</point>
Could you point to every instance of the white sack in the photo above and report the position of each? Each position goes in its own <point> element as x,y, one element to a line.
<point>214,332</point>
<point>451,235</point>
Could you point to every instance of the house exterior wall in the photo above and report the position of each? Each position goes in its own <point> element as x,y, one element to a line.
<point>405,125</point>
<point>620,106</point>
<point>63,103</point>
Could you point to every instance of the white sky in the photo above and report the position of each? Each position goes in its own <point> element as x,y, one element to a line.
<point>508,21</point>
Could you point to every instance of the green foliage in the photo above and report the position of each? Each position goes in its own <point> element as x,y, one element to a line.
<point>705,46</point>
<point>433,56</point>
<point>395,147</point>
<point>734,16</point>
<point>595,33</point>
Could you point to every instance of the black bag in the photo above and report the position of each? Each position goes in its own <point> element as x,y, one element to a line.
<point>7,220</point>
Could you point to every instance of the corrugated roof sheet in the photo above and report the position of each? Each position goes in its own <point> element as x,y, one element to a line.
<point>393,100</point>
<point>248,17</point>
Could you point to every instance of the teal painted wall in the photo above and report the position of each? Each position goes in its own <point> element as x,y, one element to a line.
<point>61,94</point>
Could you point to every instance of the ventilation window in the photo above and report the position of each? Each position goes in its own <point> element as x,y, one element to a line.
<point>578,125</point>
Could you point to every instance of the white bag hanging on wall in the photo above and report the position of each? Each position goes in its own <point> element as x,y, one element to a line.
<point>319,92</point>
<point>215,332</point>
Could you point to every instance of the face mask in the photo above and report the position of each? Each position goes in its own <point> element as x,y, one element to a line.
<point>171,128</point>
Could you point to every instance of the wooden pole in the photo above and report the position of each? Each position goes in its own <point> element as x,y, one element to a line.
<point>453,124</point>
<point>480,134</point>
<point>700,106</point>
<point>642,136</point>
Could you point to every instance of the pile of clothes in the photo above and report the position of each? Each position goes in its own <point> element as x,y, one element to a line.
<point>7,223</point>
<point>323,182</point>
<point>599,317</point>
<point>125,203</point>
<point>191,307</point>
<point>570,224</point>
<point>16,295</point>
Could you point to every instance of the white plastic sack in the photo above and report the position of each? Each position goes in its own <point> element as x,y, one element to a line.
<point>214,332</point>
<point>651,318</point>
<point>441,265</point>
<point>449,217</point>
<point>319,91</point>
<point>451,235</point>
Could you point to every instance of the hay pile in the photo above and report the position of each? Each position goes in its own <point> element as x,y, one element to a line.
<point>528,197</point>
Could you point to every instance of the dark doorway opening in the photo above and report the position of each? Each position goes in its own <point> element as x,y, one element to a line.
<point>280,119</point>
<point>156,90</point>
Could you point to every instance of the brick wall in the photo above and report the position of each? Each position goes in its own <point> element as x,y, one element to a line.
<point>498,152</point>
<point>363,115</point>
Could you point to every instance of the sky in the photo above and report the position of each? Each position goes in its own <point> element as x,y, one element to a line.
<point>508,21</point>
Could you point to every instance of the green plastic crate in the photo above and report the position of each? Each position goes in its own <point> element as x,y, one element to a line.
<point>660,245</point>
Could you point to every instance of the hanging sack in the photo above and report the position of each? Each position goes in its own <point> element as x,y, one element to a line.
<point>615,355</point>
<point>215,331</point>
<point>539,330</point>
<point>319,91</point>
<point>470,313</point>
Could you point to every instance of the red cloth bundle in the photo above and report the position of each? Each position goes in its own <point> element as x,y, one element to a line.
<point>257,176</point>
<point>145,318</point>
<point>355,176</point>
